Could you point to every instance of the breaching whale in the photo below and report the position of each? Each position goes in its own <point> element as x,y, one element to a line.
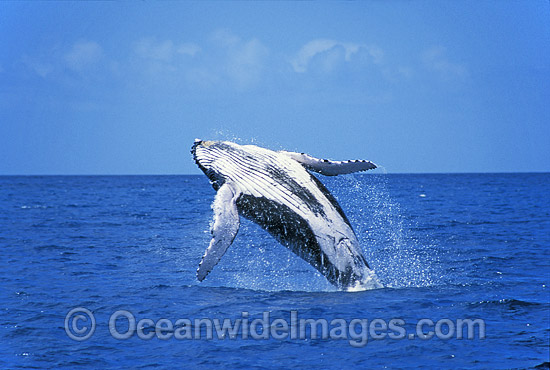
<point>276,190</point>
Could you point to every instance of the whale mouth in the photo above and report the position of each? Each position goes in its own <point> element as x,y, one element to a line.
<point>203,160</point>
<point>196,143</point>
<point>195,156</point>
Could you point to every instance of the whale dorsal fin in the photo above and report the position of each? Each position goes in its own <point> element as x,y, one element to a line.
<point>224,229</point>
<point>327,167</point>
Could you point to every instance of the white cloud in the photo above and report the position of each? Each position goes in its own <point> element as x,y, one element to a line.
<point>435,59</point>
<point>83,54</point>
<point>163,51</point>
<point>163,62</point>
<point>240,61</point>
<point>376,54</point>
<point>245,63</point>
<point>225,60</point>
<point>150,48</point>
<point>398,73</point>
<point>332,52</point>
<point>56,59</point>
<point>188,49</point>
<point>202,76</point>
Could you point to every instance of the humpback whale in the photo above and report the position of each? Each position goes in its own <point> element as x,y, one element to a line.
<point>276,190</point>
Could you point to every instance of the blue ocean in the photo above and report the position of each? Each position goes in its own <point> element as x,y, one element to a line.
<point>99,272</point>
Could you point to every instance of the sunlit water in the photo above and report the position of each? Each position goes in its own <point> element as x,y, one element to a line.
<point>443,246</point>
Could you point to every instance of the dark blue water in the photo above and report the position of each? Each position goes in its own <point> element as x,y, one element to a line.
<point>446,247</point>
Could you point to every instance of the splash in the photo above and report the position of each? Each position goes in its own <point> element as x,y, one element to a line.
<point>227,135</point>
<point>263,264</point>
<point>370,281</point>
<point>400,258</point>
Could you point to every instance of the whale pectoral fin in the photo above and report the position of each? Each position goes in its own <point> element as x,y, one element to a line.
<point>225,228</point>
<point>330,168</point>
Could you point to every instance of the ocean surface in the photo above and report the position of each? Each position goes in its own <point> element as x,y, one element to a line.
<point>125,249</point>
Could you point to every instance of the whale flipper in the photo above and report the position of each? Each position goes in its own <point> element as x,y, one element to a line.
<point>225,228</point>
<point>327,167</point>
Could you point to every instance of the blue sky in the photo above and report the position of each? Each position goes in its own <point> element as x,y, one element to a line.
<point>414,86</point>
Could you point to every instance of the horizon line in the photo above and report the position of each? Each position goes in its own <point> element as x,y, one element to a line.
<point>199,174</point>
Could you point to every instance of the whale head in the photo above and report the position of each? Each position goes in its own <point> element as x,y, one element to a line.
<point>211,158</point>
